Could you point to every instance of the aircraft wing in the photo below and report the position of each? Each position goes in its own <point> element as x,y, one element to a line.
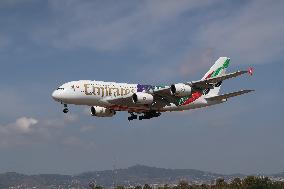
<point>228,95</point>
<point>208,83</point>
<point>162,97</point>
<point>122,101</point>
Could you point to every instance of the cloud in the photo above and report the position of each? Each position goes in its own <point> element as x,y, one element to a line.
<point>20,132</point>
<point>24,125</point>
<point>26,130</point>
<point>252,34</point>
<point>95,25</point>
<point>249,34</point>
<point>60,122</point>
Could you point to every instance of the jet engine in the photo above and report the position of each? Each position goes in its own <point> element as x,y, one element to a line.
<point>102,111</point>
<point>181,89</point>
<point>142,98</point>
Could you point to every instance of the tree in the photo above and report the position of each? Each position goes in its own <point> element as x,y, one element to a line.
<point>138,187</point>
<point>166,186</point>
<point>183,185</point>
<point>147,186</point>
<point>94,186</point>
<point>120,187</point>
<point>236,183</point>
<point>252,182</point>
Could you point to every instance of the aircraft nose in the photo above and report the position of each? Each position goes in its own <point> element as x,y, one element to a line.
<point>55,95</point>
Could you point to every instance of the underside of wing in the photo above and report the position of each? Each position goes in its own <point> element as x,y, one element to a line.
<point>164,96</point>
<point>161,98</point>
<point>126,104</point>
<point>228,95</point>
<point>121,101</point>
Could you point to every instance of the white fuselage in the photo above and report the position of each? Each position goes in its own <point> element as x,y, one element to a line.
<point>98,93</point>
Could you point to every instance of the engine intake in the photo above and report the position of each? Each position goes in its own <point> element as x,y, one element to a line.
<point>181,89</point>
<point>142,98</point>
<point>102,111</point>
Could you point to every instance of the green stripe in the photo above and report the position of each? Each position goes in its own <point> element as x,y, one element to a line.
<point>224,66</point>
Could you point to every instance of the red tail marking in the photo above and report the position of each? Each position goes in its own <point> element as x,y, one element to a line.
<point>194,97</point>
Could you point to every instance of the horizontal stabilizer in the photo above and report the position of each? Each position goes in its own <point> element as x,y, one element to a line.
<point>228,95</point>
<point>207,83</point>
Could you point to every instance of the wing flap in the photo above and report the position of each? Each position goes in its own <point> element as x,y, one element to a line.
<point>228,95</point>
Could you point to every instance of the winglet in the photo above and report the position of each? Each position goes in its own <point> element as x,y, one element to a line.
<point>250,71</point>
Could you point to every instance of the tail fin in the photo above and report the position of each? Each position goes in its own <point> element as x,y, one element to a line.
<point>218,69</point>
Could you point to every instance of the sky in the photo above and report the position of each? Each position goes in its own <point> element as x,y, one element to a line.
<point>44,44</point>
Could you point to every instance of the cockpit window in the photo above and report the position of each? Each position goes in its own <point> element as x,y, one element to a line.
<point>60,88</point>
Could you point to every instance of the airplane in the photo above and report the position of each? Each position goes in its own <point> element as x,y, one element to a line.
<point>149,101</point>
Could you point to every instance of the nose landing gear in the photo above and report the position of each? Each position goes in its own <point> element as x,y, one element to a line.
<point>65,110</point>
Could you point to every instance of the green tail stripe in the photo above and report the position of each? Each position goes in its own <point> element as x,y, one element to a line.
<point>225,65</point>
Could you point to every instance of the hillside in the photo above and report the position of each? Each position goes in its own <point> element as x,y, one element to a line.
<point>135,175</point>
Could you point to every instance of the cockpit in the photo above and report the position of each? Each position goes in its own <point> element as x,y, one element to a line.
<point>57,94</point>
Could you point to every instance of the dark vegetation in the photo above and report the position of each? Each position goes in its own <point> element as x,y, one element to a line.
<point>250,182</point>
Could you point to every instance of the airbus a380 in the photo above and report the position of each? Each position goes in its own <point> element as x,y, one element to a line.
<point>107,98</point>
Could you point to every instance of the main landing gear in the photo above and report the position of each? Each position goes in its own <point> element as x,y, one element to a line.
<point>149,115</point>
<point>132,117</point>
<point>146,115</point>
<point>65,110</point>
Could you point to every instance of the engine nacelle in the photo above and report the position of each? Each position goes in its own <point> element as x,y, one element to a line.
<point>142,98</point>
<point>102,111</point>
<point>181,89</point>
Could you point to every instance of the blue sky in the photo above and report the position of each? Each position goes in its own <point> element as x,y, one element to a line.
<point>46,43</point>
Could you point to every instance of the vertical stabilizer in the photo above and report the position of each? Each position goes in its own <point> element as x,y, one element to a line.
<point>218,69</point>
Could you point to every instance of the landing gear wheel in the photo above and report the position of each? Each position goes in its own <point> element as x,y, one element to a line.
<point>132,117</point>
<point>65,110</point>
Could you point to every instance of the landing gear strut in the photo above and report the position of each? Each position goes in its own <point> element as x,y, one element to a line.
<point>65,110</point>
